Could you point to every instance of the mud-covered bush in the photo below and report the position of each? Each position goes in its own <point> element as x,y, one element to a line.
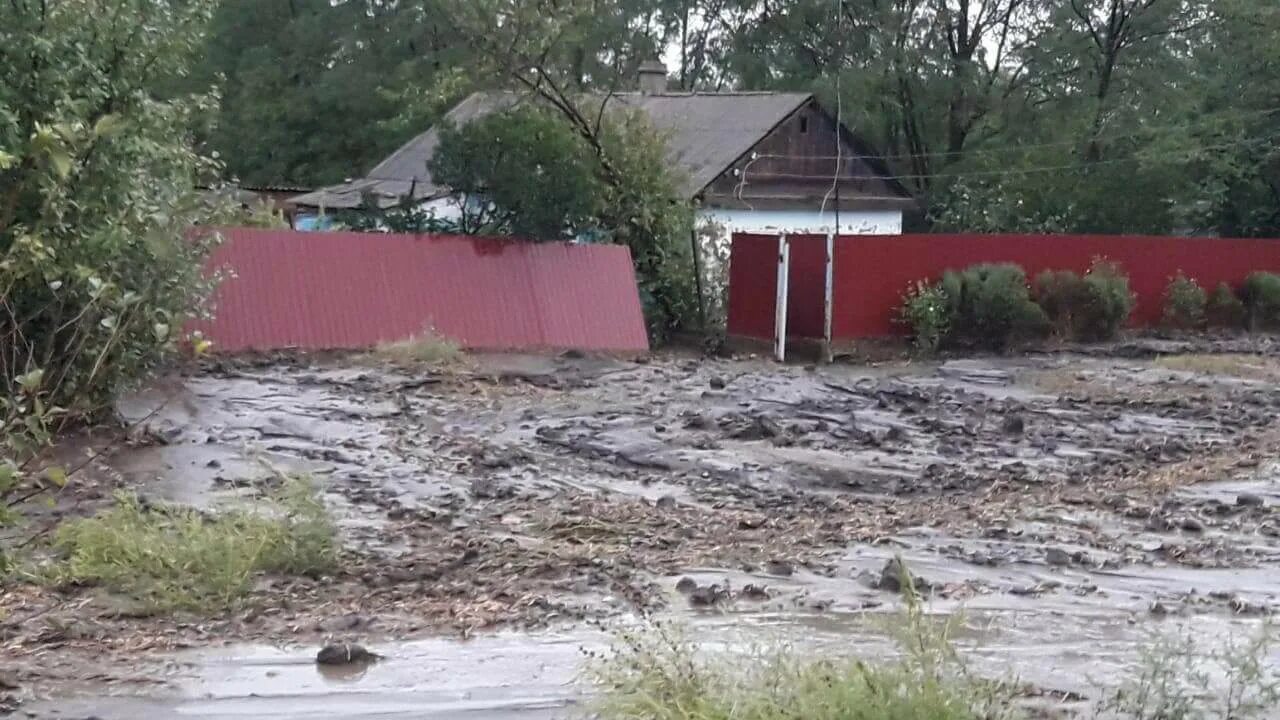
<point>1184,303</point>
<point>1261,296</point>
<point>1224,309</point>
<point>991,306</point>
<point>927,313</point>
<point>1061,294</point>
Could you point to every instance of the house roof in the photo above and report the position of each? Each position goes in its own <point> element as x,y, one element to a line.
<point>706,133</point>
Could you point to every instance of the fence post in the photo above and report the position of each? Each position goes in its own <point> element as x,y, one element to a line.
<point>828,294</point>
<point>780,307</point>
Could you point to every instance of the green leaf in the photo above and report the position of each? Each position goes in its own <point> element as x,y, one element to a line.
<point>56,475</point>
<point>30,382</point>
<point>108,126</point>
<point>7,161</point>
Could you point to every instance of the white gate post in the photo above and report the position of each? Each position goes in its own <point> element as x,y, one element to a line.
<point>827,299</point>
<point>780,307</point>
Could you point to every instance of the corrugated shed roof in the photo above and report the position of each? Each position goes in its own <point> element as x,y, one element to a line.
<point>705,134</point>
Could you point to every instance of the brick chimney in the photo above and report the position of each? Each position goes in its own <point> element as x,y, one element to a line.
<point>653,77</point>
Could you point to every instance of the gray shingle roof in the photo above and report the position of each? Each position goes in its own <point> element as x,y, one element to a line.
<point>705,134</point>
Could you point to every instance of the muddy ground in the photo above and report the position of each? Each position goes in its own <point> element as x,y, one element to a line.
<point>1068,502</point>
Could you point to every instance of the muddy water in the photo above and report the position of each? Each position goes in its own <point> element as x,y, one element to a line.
<point>1069,507</point>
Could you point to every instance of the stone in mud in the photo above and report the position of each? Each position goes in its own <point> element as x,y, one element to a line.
<point>1057,556</point>
<point>707,595</point>
<point>892,575</point>
<point>666,502</point>
<point>754,592</point>
<point>686,585</point>
<point>1013,425</point>
<point>1191,524</point>
<point>487,488</point>
<point>345,654</point>
<point>779,567</point>
<point>1250,500</point>
<point>717,383</point>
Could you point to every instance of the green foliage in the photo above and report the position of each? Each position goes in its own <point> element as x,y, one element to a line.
<point>427,347</point>
<point>533,177</point>
<point>98,269</point>
<point>1110,302</point>
<point>1062,294</point>
<point>991,306</point>
<point>1182,680</point>
<point>1261,296</point>
<point>1184,303</point>
<point>661,674</point>
<point>643,209</point>
<point>1224,309</point>
<point>171,558</point>
<point>927,312</point>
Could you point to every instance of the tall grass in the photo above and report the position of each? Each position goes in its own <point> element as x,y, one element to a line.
<point>660,674</point>
<point>171,558</point>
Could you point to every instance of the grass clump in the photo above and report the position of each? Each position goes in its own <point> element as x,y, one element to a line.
<point>660,674</point>
<point>173,558</point>
<point>426,348</point>
<point>1184,303</point>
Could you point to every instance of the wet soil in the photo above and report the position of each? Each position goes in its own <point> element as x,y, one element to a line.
<point>1068,502</point>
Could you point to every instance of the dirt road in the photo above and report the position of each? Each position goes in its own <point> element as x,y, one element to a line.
<point>1069,503</point>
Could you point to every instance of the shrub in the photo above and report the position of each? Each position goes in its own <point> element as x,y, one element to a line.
<point>1261,295</point>
<point>1062,294</point>
<point>1109,304</point>
<point>1184,303</point>
<point>927,313</point>
<point>1224,309</point>
<point>991,305</point>
<point>171,558</point>
<point>425,348</point>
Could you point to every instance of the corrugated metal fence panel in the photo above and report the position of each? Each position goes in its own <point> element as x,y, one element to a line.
<point>872,272</point>
<point>350,290</point>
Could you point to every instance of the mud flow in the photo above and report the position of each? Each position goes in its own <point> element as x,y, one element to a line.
<point>1071,506</point>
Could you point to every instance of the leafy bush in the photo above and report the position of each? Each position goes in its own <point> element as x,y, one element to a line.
<point>172,558</point>
<point>1062,295</point>
<point>991,305</point>
<point>97,178</point>
<point>1184,303</point>
<point>927,313</point>
<point>1110,302</point>
<point>1261,296</point>
<point>1224,309</point>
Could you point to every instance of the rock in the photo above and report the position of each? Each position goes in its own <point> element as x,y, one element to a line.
<point>1158,609</point>
<point>345,654</point>
<point>1057,556</point>
<point>891,576</point>
<point>686,585</point>
<point>666,502</point>
<point>717,383</point>
<point>707,595</point>
<point>754,592</point>
<point>1191,524</point>
<point>1250,500</point>
<point>1013,425</point>
<point>779,567</point>
<point>487,488</point>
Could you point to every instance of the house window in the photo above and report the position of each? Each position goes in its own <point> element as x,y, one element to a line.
<point>804,124</point>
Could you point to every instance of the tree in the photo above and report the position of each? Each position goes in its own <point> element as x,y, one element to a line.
<point>97,178</point>
<point>520,172</point>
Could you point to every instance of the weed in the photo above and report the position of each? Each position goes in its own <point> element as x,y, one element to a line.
<point>1061,294</point>
<point>1184,303</point>
<point>171,558</point>
<point>1176,681</point>
<point>660,674</point>
<point>426,348</point>
<point>926,312</point>
<point>1110,302</point>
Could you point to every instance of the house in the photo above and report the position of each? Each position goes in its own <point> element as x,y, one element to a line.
<point>749,161</point>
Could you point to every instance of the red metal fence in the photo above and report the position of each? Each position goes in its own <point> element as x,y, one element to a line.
<point>319,290</point>
<point>871,272</point>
